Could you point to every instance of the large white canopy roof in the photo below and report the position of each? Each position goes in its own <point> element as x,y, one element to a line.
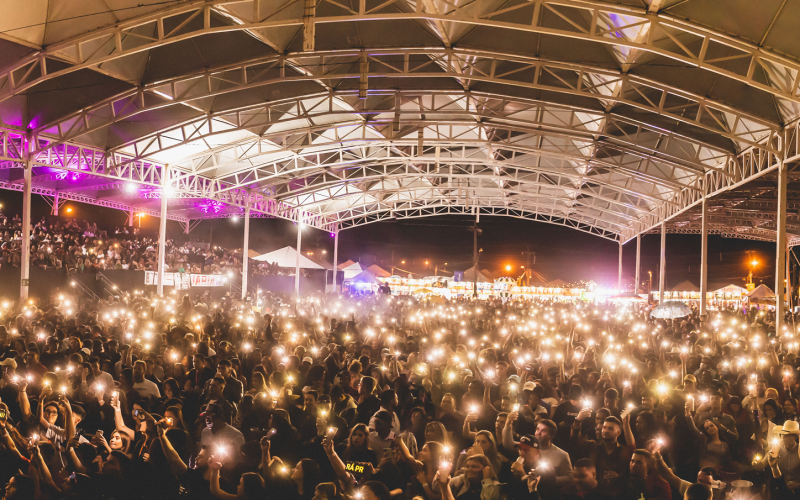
<point>605,116</point>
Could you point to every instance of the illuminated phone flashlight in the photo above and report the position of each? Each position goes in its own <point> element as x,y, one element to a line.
<point>631,406</point>
<point>474,408</point>
<point>29,378</point>
<point>587,403</point>
<point>660,442</point>
<point>626,383</point>
<point>99,386</point>
<point>222,450</point>
<point>776,442</point>
<point>283,470</point>
<point>446,449</point>
<point>332,431</point>
<point>323,413</point>
<point>115,394</point>
<point>516,406</point>
<point>63,389</point>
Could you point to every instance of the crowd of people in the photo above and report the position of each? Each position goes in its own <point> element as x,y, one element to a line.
<point>380,398</point>
<point>79,246</point>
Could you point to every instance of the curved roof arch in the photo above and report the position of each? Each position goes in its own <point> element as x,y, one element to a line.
<point>609,117</point>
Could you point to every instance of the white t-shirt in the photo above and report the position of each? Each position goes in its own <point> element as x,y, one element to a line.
<point>147,389</point>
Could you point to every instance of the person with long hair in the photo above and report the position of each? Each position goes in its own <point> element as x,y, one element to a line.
<point>477,481</point>
<point>484,445</point>
<point>305,477</point>
<point>356,449</point>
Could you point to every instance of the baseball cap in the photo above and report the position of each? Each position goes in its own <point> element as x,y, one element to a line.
<point>9,362</point>
<point>529,441</point>
<point>529,386</point>
<point>212,410</point>
<point>690,377</point>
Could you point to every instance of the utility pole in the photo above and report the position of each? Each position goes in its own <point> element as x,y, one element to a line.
<point>528,271</point>
<point>475,233</point>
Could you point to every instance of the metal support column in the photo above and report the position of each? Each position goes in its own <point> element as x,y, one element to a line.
<point>704,253</point>
<point>638,262</point>
<point>131,214</point>
<point>25,244</point>
<point>335,257</point>
<point>162,231</point>
<point>780,246</point>
<point>55,204</point>
<point>297,262</point>
<point>662,268</point>
<point>245,248</point>
<point>619,270</point>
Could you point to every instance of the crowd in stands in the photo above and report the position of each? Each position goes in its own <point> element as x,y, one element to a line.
<point>381,398</point>
<point>79,246</point>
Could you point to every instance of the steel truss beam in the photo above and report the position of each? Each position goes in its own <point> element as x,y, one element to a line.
<point>77,197</point>
<point>749,165</point>
<point>607,86</point>
<point>598,22</point>
<point>363,215</point>
<point>547,203</point>
<point>628,173</point>
<point>757,234</point>
<point>458,177</point>
<point>101,164</point>
<point>498,117</point>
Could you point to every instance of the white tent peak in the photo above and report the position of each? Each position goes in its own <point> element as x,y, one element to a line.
<point>287,257</point>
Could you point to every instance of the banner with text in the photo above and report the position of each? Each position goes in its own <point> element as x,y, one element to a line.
<point>184,281</point>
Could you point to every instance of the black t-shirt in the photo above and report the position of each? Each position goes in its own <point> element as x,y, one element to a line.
<point>196,487</point>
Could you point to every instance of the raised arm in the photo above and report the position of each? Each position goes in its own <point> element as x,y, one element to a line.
<point>336,462</point>
<point>508,431</point>
<point>5,437</point>
<point>403,450</point>
<point>215,489</point>
<point>22,398</point>
<point>40,411</point>
<point>173,459</point>
<point>118,420</point>
<point>669,476</point>
<point>626,428</point>
<point>44,471</point>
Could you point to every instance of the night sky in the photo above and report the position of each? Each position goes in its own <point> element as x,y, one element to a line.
<point>446,242</point>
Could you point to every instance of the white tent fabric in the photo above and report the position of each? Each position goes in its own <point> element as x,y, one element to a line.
<point>353,270</point>
<point>761,292</point>
<point>483,275</point>
<point>287,257</point>
<point>363,277</point>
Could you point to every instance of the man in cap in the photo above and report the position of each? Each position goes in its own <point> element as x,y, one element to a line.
<point>783,461</point>
<point>219,437</point>
<point>382,438</point>
<point>533,396</point>
<point>558,470</point>
<point>689,385</point>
